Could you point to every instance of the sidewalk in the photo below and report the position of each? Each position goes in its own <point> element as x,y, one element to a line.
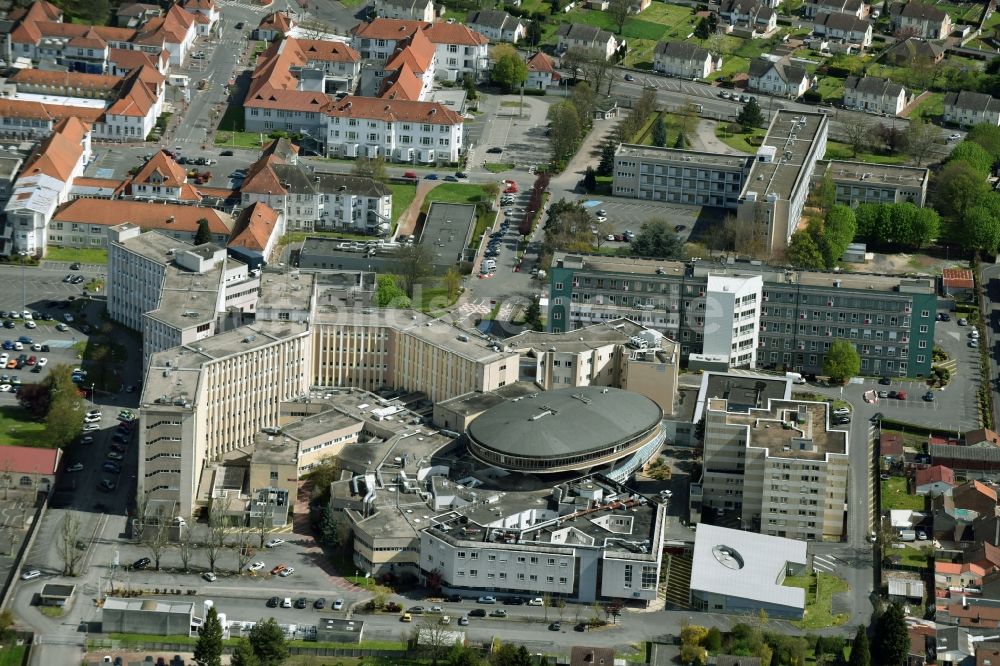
<point>704,139</point>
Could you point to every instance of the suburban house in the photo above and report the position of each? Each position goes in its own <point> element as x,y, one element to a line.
<point>850,32</point>
<point>934,480</point>
<point>751,15</point>
<point>917,19</point>
<point>541,71</point>
<point>779,76</point>
<point>496,25</point>
<point>856,8</point>
<point>412,10</point>
<point>684,60</point>
<point>257,230</point>
<point>458,49</point>
<point>913,50</point>
<point>874,95</point>
<point>274,25</point>
<point>579,35</point>
<point>971,108</point>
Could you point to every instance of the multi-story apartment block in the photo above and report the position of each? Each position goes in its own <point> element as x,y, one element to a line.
<point>173,292</point>
<point>919,19</point>
<point>863,182</point>
<point>969,108</point>
<point>781,470</point>
<point>44,185</point>
<point>458,49</point>
<point>778,76</point>
<point>683,60</point>
<point>190,417</point>
<point>680,176</point>
<point>767,192</point>
<point>890,320</point>
<point>874,95</point>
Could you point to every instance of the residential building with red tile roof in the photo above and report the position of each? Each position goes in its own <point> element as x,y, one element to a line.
<point>257,229</point>
<point>459,49</point>
<point>206,14</point>
<point>24,119</point>
<point>123,61</point>
<point>44,184</point>
<point>41,39</point>
<point>958,282</point>
<point>40,10</point>
<point>82,221</point>
<point>541,71</point>
<point>97,188</point>
<point>398,130</point>
<point>30,468</point>
<point>175,31</point>
<point>273,25</point>
<point>161,179</point>
<point>934,480</point>
<point>66,84</point>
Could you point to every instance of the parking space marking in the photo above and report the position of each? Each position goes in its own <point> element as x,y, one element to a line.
<point>827,563</point>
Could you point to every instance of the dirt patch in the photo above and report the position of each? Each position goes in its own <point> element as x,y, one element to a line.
<point>901,263</point>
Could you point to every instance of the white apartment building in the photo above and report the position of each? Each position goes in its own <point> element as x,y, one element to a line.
<point>967,108</point>
<point>458,49</point>
<point>782,470</point>
<point>190,416</point>
<point>874,95</point>
<point>497,25</point>
<point>732,320</point>
<point>415,10</point>
<point>582,36</point>
<point>683,60</point>
<point>398,130</point>
<point>680,176</point>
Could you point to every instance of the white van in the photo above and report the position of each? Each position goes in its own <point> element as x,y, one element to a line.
<point>489,264</point>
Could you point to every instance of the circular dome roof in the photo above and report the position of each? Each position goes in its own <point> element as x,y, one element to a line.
<point>565,422</point>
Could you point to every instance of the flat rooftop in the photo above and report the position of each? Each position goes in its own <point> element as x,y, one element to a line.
<point>791,136</point>
<point>447,230</point>
<point>286,291</point>
<point>745,391</point>
<point>746,565</point>
<point>691,158</point>
<point>154,245</point>
<point>173,374</point>
<point>878,174</point>
<point>471,345</point>
<point>773,275</point>
<point>274,450</point>
<point>788,428</point>
<point>472,403</point>
<point>318,424</point>
<point>614,331</point>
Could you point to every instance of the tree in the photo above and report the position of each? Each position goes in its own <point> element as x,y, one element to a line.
<point>604,229</point>
<point>35,399</point>
<point>266,522</point>
<point>891,642</point>
<point>268,643</point>
<point>370,168</point>
<point>750,115</point>
<point>592,63</point>
<point>656,239</point>
<point>619,11</point>
<point>63,406</point>
<point>607,164</point>
<point>208,649</point>
<point>329,528</point>
<point>432,637</point>
<point>565,133</point>
<point>204,233</point>
<point>693,654</point>
<point>693,634</point>
<point>702,30</point>
<point>509,70</point>
<point>982,230</point>
<point>216,530</point>
<point>842,361</point>
<point>987,136</point>
<point>388,294</point>
<point>959,188</point>
<point>69,535</point>
<point>186,544</point>
<point>243,654</point>
<point>156,538</point>
<point>925,227</point>
<point>660,132</point>
<point>823,194</point>
<point>533,315</point>
<point>975,155</point>
<point>244,552</point>
<point>838,232</point>
<point>590,180</point>
<point>415,265</point>
<point>461,655</point>
<point>858,133</point>
<point>533,35</point>
<point>452,281</point>
<point>860,655</point>
<point>713,640</point>
<point>584,100</point>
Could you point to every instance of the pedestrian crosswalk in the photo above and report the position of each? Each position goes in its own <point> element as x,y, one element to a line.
<point>824,563</point>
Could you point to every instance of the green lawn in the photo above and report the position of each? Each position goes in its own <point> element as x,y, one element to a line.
<point>240,139</point>
<point>84,255</point>
<point>457,193</point>
<point>914,557</point>
<point>13,655</point>
<point>498,167</point>
<point>831,89</point>
<point>841,151</point>
<point>739,141</point>
<point>819,595</point>
<point>402,197</point>
<point>731,65</point>
<point>894,496</point>
<point>931,106</point>
<point>17,429</point>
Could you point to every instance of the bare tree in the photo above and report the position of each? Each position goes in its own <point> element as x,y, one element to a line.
<point>604,229</point>
<point>69,534</point>
<point>432,637</point>
<point>186,544</point>
<point>592,63</point>
<point>619,11</point>
<point>141,509</point>
<point>416,263</point>
<point>919,142</point>
<point>156,538</point>
<point>858,134</point>
<point>8,478</point>
<point>216,530</point>
<point>266,522</point>
<point>243,550</point>
<point>546,603</point>
<point>11,540</point>
<point>561,605</point>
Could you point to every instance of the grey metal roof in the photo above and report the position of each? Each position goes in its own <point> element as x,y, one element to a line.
<point>845,22</point>
<point>873,85</point>
<point>565,422</point>
<point>682,50</point>
<point>491,18</point>
<point>754,574</point>
<point>966,99</point>
<point>583,32</point>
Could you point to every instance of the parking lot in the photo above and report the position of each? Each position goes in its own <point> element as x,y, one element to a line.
<point>519,132</point>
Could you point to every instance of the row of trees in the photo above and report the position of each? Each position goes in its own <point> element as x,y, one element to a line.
<point>569,122</point>
<point>823,242</point>
<point>897,225</point>
<point>963,195</point>
<point>264,646</point>
<point>916,141</point>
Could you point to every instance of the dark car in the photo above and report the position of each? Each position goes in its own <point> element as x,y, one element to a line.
<point>68,278</point>
<point>843,420</point>
<point>141,563</point>
<point>513,601</point>
<point>112,467</point>
<point>461,174</point>
<point>431,176</point>
<point>74,267</point>
<point>273,602</point>
<point>580,626</point>
<point>453,598</point>
<point>300,602</point>
<point>226,153</point>
<point>477,612</point>
<point>877,416</point>
<point>239,26</point>
<point>451,179</point>
<point>555,626</point>
<point>680,227</point>
<point>182,160</point>
<point>320,603</point>
<point>495,150</point>
<point>884,381</point>
<point>415,610</point>
<point>929,396</point>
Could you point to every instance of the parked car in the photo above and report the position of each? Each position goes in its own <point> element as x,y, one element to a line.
<point>477,612</point>
<point>487,600</point>
<point>30,574</point>
<point>929,396</point>
<point>498,612</point>
<point>902,395</point>
<point>495,150</point>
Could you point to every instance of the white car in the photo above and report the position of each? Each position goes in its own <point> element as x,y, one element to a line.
<point>256,566</point>
<point>338,604</point>
<point>92,419</point>
<point>31,573</point>
<point>209,576</point>
<point>94,412</point>
<point>62,327</point>
<point>274,543</point>
<point>287,572</point>
<point>5,388</point>
<point>26,315</point>
<point>286,602</point>
<point>537,601</point>
<point>4,358</point>
<point>30,324</point>
<point>602,218</point>
<point>68,318</point>
<point>91,427</point>
<point>75,468</point>
<point>42,362</point>
<point>954,137</point>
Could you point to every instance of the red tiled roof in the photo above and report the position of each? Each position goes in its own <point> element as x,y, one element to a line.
<point>261,178</point>
<point>92,40</point>
<point>403,84</point>
<point>454,33</point>
<point>19,108</point>
<point>131,59</point>
<point>137,96</point>
<point>987,654</point>
<point>891,444</point>
<point>541,62</point>
<point>171,28</point>
<point>170,172</point>
<point>193,5</point>
<point>935,474</point>
<point>959,278</point>
<point>384,28</point>
<point>394,110</point>
<point>32,31</point>
<point>278,21</point>
<point>417,54</point>
<point>166,217</point>
<point>60,153</point>
<point>40,10</point>
<point>316,49</point>
<point>254,227</point>
<point>28,460</point>
<point>87,82</point>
